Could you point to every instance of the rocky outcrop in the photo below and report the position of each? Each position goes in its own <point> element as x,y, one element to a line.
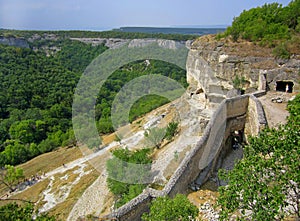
<point>12,41</point>
<point>118,42</point>
<point>217,67</point>
<point>108,42</point>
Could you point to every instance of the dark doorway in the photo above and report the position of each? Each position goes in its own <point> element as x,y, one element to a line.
<point>237,139</point>
<point>284,86</point>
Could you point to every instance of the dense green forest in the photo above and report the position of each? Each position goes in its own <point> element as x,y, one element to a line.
<point>147,103</point>
<point>36,95</point>
<point>271,25</point>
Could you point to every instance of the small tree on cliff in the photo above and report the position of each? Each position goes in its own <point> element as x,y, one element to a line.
<point>267,180</point>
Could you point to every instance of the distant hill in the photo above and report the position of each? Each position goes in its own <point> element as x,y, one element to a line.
<point>172,30</point>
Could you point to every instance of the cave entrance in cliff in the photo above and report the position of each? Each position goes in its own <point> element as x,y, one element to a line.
<point>284,86</point>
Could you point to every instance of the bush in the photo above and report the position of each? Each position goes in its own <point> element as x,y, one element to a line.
<point>269,24</point>
<point>164,208</point>
<point>13,212</point>
<point>171,130</point>
<point>125,179</point>
<point>281,51</point>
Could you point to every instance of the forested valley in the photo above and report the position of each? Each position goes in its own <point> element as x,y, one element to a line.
<point>36,94</point>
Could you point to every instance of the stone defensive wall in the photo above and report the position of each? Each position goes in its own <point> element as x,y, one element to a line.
<point>239,113</point>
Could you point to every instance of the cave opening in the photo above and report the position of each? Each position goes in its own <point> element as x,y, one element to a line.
<point>284,86</point>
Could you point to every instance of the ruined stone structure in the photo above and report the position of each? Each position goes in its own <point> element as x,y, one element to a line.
<point>243,112</point>
<point>233,114</point>
<point>219,68</point>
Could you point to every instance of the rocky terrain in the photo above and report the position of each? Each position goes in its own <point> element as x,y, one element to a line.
<point>213,65</point>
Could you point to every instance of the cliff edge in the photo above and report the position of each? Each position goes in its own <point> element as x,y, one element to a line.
<point>222,69</point>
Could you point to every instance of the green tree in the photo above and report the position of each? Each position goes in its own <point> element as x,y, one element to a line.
<point>14,153</point>
<point>270,24</point>
<point>15,212</point>
<point>266,181</point>
<point>166,209</point>
<point>125,174</point>
<point>10,176</point>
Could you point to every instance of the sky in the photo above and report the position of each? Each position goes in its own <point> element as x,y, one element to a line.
<point>108,14</point>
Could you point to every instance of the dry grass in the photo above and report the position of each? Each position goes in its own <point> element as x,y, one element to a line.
<point>109,200</point>
<point>106,139</point>
<point>244,48</point>
<point>47,162</point>
<point>99,162</point>
<point>31,194</point>
<point>59,181</point>
<point>50,161</point>
<point>267,64</point>
<point>202,196</point>
<point>62,210</point>
<point>241,48</point>
<point>294,46</point>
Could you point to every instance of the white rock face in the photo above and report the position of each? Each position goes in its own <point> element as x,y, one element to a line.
<point>108,42</point>
<point>17,42</point>
<point>169,44</point>
<point>223,58</point>
<point>118,42</point>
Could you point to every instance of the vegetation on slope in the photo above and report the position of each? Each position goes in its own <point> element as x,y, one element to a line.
<point>13,212</point>
<point>120,170</point>
<point>145,104</point>
<point>36,96</point>
<point>165,208</point>
<point>271,25</point>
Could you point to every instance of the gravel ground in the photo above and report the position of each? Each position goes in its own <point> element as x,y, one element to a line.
<point>91,200</point>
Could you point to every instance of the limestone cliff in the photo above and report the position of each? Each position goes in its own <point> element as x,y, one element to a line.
<point>216,67</point>
<point>12,41</point>
<point>118,42</point>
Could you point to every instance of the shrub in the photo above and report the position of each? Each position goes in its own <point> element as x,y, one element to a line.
<point>281,51</point>
<point>164,208</point>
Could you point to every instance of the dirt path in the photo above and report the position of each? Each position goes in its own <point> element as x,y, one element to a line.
<point>276,113</point>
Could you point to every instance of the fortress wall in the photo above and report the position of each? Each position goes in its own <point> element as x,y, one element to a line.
<point>243,112</point>
<point>135,208</point>
<point>256,119</point>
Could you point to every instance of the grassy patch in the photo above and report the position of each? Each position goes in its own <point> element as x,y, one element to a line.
<point>50,161</point>
<point>31,194</point>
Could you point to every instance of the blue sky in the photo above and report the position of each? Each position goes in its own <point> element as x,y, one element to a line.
<point>107,14</point>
